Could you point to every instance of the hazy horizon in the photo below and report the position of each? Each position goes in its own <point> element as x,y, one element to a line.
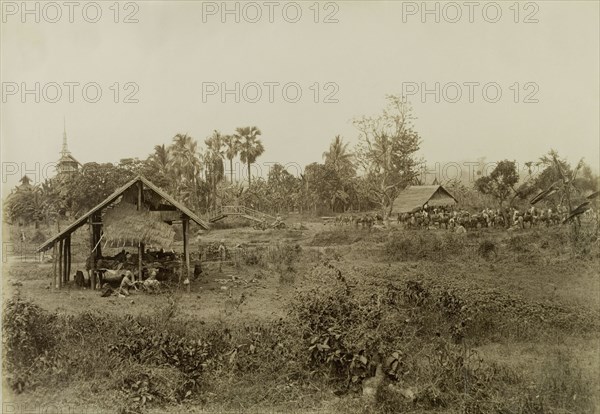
<point>176,52</point>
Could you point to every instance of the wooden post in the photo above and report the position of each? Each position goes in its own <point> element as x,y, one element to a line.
<point>92,256</point>
<point>186,250</point>
<point>99,234</point>
<point>60,260</point>
<point>140,244</point>
<point>64,263</point>
<point>67,265</point>
<point>69,257</point>
<point>54,266</point>
<point>140,259</point>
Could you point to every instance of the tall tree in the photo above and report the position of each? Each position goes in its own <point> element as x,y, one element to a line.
<point>93,184</point>
<point>560,183</point>
<point>24,206</point>
<point>232,149</point>
<point>213,159</point>
<point>340,160</point>
<point>250,146</point>
<point>386,150</point>
<point>185,164</point>
<point>157,167</point>
<point>53,207</point>
<point>500,182</point>
<point>282,187</point>
<point>339,157</point>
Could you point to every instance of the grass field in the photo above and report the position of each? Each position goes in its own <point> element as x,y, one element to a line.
<point>490,321</point>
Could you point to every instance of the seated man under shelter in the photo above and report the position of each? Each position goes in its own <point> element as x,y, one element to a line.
<point>126,283</point>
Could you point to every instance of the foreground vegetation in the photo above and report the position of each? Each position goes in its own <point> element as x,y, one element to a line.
<point>447,339</point>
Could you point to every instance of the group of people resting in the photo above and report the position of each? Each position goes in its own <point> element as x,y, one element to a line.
<point>149,285</point>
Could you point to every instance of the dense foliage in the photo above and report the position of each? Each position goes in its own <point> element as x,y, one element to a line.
<point>370,176</point>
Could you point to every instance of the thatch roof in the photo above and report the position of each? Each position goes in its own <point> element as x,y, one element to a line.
<point>139,180</point>
<point>125,225</point>
<point>415,197</point>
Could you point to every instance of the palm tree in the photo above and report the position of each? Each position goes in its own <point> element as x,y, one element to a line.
<point>158,167</point>
<point>214,163</point>
<point>160,158</point>
<point>232,149</point>
<point>185,164</point>
<point>338,156</point>
<point>250,146</point>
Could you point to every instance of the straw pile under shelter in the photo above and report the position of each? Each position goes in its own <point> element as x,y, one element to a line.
<point>124,226</point>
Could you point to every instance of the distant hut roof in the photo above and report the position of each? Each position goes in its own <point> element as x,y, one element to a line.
<point>415,197</point>
<point>119,195</point>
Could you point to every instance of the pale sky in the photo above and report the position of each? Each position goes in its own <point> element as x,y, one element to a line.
<point>178,49</point>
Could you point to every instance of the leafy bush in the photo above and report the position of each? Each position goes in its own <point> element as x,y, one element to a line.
<point>422,245</point>
<point>283,256</point>
<point>29,335</point>
<point>337,236</point>
<point>486,248</point>
<point>252,257</point>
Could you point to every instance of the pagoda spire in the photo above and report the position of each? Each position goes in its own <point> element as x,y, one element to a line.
<point>65,148</point>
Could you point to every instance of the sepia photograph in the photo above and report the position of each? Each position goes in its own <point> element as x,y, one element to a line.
<point>303,207</point>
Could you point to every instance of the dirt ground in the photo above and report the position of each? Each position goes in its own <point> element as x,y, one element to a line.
<point>264,295</point>
<point>548,279</point>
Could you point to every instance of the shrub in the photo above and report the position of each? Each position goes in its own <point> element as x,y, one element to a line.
<point>283,257</point>
<point>518,244</point>
<point>337,237</point>
<point>252,257</point>
<point>29,335</point>
<point>422,245</point>
<point>486,248</point>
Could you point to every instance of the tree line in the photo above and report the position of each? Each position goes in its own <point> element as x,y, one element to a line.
<point>367,177</point>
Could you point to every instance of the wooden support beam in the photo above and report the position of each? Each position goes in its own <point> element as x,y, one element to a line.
<point>99,234</point>
<point>92,255</point>
<point>140,260</point>
<point>64,267</point>
<point>60,260</point>
<point>69,257</point>
<point>186,247</point>
<point>140,245</point>
<point>54,266</point>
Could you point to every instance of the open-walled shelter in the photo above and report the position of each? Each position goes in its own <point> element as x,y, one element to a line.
<point>137,214</point>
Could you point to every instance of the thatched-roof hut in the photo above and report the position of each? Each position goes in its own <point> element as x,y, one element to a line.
<point>415,197</point>
<point>131,216</point>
